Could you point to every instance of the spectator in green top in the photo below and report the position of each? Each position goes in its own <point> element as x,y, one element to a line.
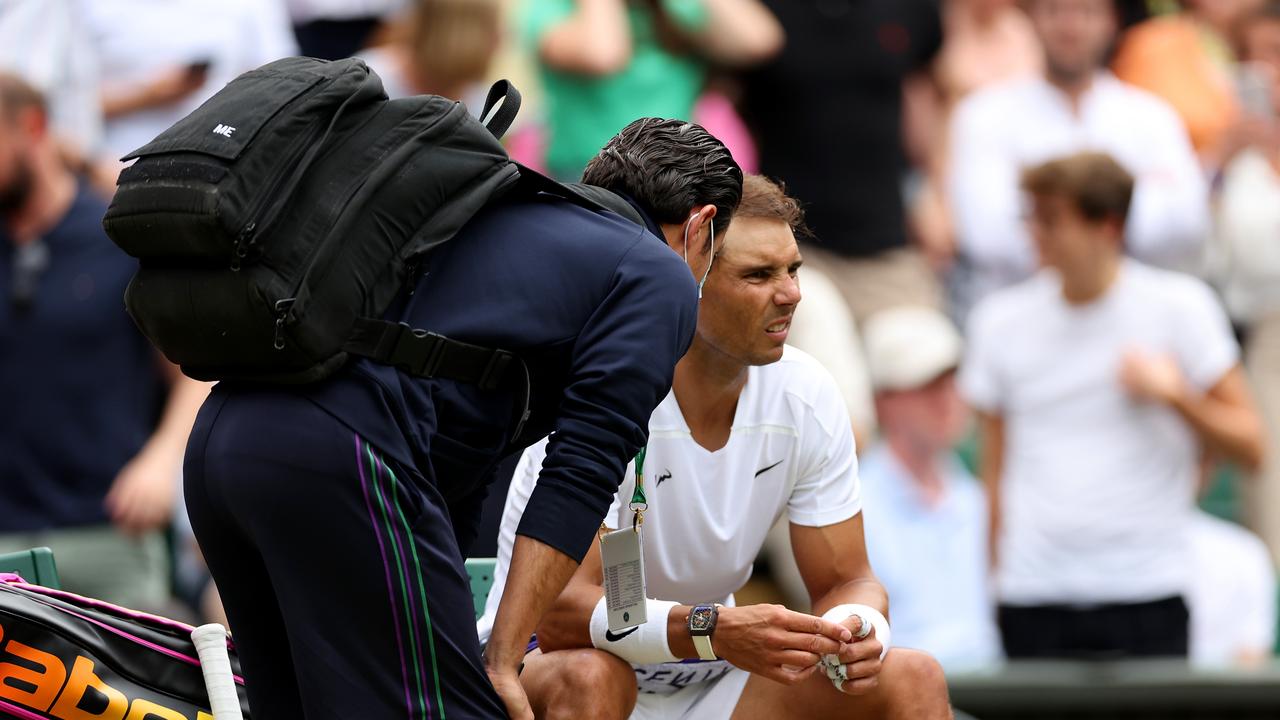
<point>606,62</point>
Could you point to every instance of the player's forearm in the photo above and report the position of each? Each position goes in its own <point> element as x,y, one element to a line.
<point>991,470</point>
<point>535,578</point>
<point>1232,431</point>
<point>567,624</point>
<point>678,638</point>
<point>863,591</point>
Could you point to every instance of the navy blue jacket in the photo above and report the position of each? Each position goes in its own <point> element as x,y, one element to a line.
<point>599,308</point>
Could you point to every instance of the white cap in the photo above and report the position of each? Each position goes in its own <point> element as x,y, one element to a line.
<point>909,347</point>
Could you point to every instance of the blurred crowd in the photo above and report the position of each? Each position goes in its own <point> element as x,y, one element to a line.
<point>1043,264</point>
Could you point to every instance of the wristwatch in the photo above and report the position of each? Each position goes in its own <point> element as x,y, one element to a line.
<point>702,623</point>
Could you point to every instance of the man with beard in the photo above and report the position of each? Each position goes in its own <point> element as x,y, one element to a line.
<point>1076,105</point>
<point>89,455</point>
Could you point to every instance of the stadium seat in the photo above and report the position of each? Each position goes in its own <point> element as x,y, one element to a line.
<point>36,566</point>
<point>480,571</point>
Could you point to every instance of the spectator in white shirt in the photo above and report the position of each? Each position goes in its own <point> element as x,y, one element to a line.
<point>45,42</point>
<point>1099,382</point>
<point>926,519</point>
<point>1247,252</point>
<point>1075,105</point>
<point>160,59</point>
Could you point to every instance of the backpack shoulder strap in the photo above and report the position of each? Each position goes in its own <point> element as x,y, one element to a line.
<point>588,196</point>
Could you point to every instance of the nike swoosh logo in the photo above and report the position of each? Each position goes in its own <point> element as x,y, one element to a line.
<point>765,470</point>
<point>608,635</point>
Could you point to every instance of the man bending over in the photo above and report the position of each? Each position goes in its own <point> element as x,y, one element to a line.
<point>750,430</point>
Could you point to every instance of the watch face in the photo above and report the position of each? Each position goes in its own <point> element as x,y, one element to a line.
<point>700,618</point>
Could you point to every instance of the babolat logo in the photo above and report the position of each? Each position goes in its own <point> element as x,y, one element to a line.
<point>71,686</point>
<point>223,130</point>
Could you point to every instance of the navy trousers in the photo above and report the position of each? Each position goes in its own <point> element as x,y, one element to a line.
<point>342,580</point>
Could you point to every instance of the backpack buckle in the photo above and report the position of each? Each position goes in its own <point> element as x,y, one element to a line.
<point>495,370</point>
<point>417,352</point>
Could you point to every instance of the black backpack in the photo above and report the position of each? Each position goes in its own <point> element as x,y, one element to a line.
<point>276,223</point>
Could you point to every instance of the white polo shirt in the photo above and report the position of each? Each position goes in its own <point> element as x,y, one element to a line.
<point>790,451</point>
<point>1097,488</point>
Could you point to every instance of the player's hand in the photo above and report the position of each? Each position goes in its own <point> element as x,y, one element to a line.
<point>507,683</point>
<point>142,496</point>
<point>775,642</point>
<point>1152,376</point>
<point>861,659</point>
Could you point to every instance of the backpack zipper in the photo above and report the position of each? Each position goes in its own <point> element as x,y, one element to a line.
<point>282,315</point>
<point>284,306</point>
<point>247,237</point>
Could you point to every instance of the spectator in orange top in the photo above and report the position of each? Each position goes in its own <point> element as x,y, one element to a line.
<point>1186,58</point>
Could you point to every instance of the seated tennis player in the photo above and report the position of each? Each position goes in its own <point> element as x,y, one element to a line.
<point>751,430</point>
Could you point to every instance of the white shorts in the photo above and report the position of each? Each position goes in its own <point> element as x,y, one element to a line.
<point>711,700</point>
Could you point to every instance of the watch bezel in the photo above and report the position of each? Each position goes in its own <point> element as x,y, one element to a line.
<point>702,620</point>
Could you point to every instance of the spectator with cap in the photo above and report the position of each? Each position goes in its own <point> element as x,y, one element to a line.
<point>926,516</point>
<point>1074,105</point>
<point>1100,382</point>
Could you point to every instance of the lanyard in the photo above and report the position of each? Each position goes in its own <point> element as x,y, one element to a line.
<point>638,502</point>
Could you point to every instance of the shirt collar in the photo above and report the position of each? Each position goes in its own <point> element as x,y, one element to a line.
<point>1103,81</point>
<point>649,222</point>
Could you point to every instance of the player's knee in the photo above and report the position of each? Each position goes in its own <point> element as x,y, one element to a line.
<point>595,684</point>
<point>923,676</point>
<point>921,667</point>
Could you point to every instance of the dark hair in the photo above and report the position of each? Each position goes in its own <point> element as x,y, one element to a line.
<point>669,167</point>
<point>17,95</point>
<point>1094,182</point>
<point>766,199</point>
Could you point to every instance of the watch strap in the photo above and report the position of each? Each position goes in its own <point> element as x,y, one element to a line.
<point>702,643</point>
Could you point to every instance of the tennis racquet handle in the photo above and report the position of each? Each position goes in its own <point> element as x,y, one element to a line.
<point>211,646</point>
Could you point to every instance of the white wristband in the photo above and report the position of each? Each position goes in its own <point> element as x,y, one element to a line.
<point>643,645</point>
<point>871,619</point>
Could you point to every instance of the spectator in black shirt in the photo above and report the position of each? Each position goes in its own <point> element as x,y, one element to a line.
<point>827,114</point>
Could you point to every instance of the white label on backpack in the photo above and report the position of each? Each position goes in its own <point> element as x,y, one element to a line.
<point>623,563</point>
<point>223,130</point>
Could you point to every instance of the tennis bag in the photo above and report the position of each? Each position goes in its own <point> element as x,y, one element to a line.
<point>277,223</point>
<point>66,657</point>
